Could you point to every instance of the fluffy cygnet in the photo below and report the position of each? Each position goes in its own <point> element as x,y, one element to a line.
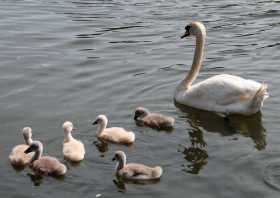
<point>44,164</point>
<point>17,157</point>
<point>114,134</point>
<point>133,171</point>
<point>143,117</point>
<point>73,149</point>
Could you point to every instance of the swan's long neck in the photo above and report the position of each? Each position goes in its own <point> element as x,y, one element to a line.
<point>121,163</point>
<point>38,154</point>
<point>197,61</point>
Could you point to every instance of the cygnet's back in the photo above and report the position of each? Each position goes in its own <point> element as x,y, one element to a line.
<point>158,121</point>
<point>49,165</point>
<point>113,134</point>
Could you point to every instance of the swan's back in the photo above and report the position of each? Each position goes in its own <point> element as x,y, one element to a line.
<point>74,150</point>
<point>18,158</point>
<point>49,165</point>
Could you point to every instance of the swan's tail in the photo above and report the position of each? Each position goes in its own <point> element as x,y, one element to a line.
<point>259,97</point>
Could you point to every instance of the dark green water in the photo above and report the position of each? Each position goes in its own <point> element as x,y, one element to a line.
<point>72,60</point>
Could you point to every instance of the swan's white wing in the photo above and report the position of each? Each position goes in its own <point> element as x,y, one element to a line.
<point>221,93</point>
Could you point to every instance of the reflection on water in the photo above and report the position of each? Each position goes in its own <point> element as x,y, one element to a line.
<point>37,179</point>
<point>250,126</point>
<point>209,121</point>
<point>122,183</point>
<point>196,153</point>
<point>101,146</point>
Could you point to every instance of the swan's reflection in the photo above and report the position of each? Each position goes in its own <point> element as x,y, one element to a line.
<point>250,126</point>
<point>196,153</point>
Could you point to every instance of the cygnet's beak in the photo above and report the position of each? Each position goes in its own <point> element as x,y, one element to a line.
<point>114,158</point>
<point>186,34</point>
<point>75,128</point>
<point>135,117</point>
<point>95,122</point>
<point>29,150</point>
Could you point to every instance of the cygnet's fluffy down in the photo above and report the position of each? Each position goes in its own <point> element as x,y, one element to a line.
<point>45,164</point>
<point>73,149</point>
<point>133,171</point>
<point>114,134</point>
<point>17,157</point>
<point>143,117</point>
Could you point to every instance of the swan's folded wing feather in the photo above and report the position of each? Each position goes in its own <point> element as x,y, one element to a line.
<point>223,89</point>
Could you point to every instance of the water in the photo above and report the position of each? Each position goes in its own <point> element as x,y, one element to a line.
<point>72,60</point>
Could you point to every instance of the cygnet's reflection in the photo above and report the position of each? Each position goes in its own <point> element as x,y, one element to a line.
<point>121,183</point>
<point>102,147</point>
<point>37,179</point>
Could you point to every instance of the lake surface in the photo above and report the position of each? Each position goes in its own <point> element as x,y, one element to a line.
<point>72,60</point>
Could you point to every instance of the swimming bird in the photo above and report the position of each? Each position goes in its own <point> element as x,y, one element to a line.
<point>113,134</point>
<point>225,94</point>
<point>44,164</point>
<point>143,117</point>
<point>73,150</point>
<point>133,171</point>
<point>17,157</point>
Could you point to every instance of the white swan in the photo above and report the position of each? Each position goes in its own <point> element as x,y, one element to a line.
<point>226,94</point>
<point>113,134</point>
<point>73,149</point>
<point>44,164</point>
<point>133,171</point>
<point>17,157</point>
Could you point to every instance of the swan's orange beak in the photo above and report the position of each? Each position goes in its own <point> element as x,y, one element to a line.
<point>186,34</point>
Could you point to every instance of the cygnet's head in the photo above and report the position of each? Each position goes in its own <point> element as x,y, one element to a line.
<point>34,146</point>
<point>195,28</point>
<point>101,119</point>
<point>68,126</point>
<point>140,112</point>
<point>119,156</point>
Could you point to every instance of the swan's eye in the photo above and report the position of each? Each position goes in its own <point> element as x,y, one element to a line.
<point>187,28</point>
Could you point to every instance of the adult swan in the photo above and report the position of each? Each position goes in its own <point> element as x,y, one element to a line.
<point>225,94</point>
